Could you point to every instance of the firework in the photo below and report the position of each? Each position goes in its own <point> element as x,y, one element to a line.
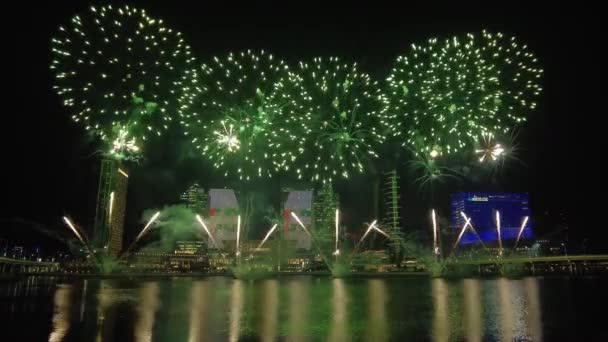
<point>143,231</point>
<point>300,223</point>
<point>521,230</point>
<point>267,236</point>
<point>200,220</point>
<point>464,228</point>
<point>344,103</point>
<point>489,149</point>
<point>498,232</point>
<point>442,96</point>
<point>434,220</point>
<point>238,236</point>
<point>382,232</point>
<point>429,172</point>
<point>71,226</point>
<point>118,71</point>
<point>246,114</point>
<point>79,236</point>
<point>369,229</point>
<point>337,251</point>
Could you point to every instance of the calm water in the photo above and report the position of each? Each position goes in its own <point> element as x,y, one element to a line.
<point>304,308</point>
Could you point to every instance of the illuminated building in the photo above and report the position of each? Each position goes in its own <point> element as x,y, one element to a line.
<point>191,247</point>
<point>299,202</point>
<point>196,199</point>
<point>111,205</point>
<point>223,214</point>
<point>481,207</point>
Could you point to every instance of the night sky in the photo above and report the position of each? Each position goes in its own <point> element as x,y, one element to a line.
<point>51,169</point>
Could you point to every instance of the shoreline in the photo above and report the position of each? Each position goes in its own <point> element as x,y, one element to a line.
<point>211,274</point>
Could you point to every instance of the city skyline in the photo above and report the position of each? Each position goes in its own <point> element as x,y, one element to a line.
<point>162,176</point>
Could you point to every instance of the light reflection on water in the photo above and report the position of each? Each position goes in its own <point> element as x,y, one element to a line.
<point>472,309</point>
<point>61,313</point>
<point>299,301</point>
<point>146,311</point>
<point>298,308</point>
<point>339,302</point>
<point>377,300</point>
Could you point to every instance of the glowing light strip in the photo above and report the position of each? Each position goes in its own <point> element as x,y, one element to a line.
<point>123,173</point>
<point>337,229</point>
<point>147,226</point>
<point>300,222</point>
<point>521,230</point>
<point>381,232</point>
<point>200,220</point>
<point>267,236</point>
<point>238,234</point>
<point>434,230</point>
<point>467,223</point>
<point>67,221</point>
<point>473,229</point>
<point>498,231</point>
<point>111,205</point>
<point>371,226</point>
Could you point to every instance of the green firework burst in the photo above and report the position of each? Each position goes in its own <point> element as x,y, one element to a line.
<point>344,103</point>
<point>118,71</point>
<point>247,114</point>
<point>442,96</point>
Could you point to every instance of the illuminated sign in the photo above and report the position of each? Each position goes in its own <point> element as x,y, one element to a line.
<point>479,199</point>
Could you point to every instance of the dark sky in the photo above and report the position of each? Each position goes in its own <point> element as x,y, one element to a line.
<point>49,169</point>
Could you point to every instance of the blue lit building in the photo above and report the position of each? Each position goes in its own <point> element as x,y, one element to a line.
<point>481,207</point>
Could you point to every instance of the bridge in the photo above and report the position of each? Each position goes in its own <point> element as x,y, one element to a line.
<point>572,264</point>
<point>18,266</point>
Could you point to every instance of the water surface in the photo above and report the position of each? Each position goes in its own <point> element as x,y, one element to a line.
<point>304,308</point>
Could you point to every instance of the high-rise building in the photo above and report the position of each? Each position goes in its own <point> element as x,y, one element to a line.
<point>196,199</point>
<point>299,202</point>
<point>223,215</point>
<point>110,207</point>
<point>513,210</point>
<point>117,213</point>
<point>392,214</point>
<point>324,206</point>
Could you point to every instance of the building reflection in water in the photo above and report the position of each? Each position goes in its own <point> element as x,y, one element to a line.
<point>506,318</point>
<point>105,316</point>
<point>270,310</point>
<point>299,302</point>
<point>377,327</point>
<point>533,317</point>
<point>472,310</point>
<point>146,311</point>
<point>439,289</point>
<point>236,309</point>
<point>339,324</point>
<point>83,298</point>
<point>61,313</point>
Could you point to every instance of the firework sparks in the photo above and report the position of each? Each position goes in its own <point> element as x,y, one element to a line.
<point>238,235</point>
<point>200,220</point>
<point>247,115</point>
<point>445,93</point>
<point>337,251</point>
<point>228,138</point>
<point>489,148</point>
<point>270,231</point>
<point>345,103</point>
<point>498,232</point>
<point>521,230</point>
<point>118,71</point>
<point>434,220</point>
